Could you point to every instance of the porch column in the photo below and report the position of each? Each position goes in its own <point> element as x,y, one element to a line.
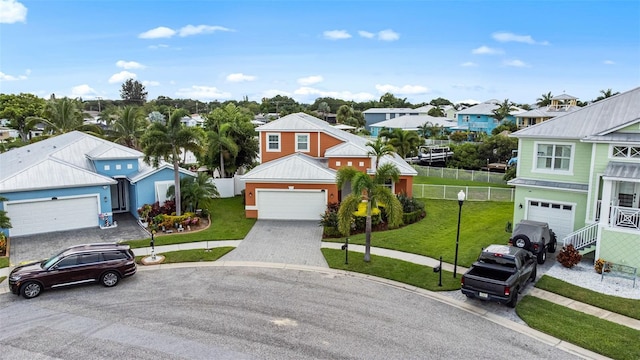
<point>605,205</point>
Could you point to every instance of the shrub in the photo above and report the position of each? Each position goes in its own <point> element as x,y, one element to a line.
<point>569,256</point>
<point>330,217</point>
<point>3,244</point>
<point>412,217</point>
<point>599,265</point>
<point>410,204</point>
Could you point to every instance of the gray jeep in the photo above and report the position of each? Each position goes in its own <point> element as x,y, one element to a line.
<point>534,236</point>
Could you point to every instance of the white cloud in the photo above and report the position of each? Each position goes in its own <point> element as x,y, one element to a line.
<point>509,37</point>
<point>151,83</point>
<point>345,95</point>
<point>121,77</point>
<point>406,89</point>
<point>202,92</point>
<point>129,65</point>
<point>274,92</point>
<point>366,34</point>
<point>388,35</point>
<point>12,11</point>
<point>515,63</point>
<point>310,80</point>
<point>336,35</point>
<point>159,32</point>
<point>240,77</point>
<point>469,64</point>
<point>485,50</point>
<point>158,46</point>
<point>609,62</point>
<point>200,29</point>
<point>7,77</point>
<point>83,90</point>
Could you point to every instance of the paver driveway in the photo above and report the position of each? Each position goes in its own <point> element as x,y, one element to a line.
<point>41,246</point>
<point>276,241</point>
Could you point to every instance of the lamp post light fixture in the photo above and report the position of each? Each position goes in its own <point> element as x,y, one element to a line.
<point>461,197</point>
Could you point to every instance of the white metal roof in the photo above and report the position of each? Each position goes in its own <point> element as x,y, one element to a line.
<point>294,168</point>
<point>600,118</point>
<point>413,122</point>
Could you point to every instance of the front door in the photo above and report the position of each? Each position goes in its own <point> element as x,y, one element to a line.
<point>120,196</point>
<point>629,194</point>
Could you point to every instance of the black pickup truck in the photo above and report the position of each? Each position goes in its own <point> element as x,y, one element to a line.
<point>499,274</point>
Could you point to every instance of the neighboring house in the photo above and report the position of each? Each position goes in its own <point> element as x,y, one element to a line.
<point>560,104</point>
<point>300,156</point>
<point>76,180</point>
<point>376,115</point>
<point>411,123</point>
<point>479,118</point>
<point>580,172</point>
<point>6,133</point>
<point>450,112</point>
<point>195,120</point>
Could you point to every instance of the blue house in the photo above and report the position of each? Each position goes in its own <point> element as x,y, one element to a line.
<point>479,118</point>
<point>76,180</point>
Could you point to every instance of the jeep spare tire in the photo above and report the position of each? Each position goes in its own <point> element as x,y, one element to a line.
<point>521,241</point>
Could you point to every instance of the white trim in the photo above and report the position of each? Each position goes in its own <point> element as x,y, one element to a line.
<point>156,185</point>
<point>268,142</point>
<point>622,159</point>
<point>535,168</point>
<point>308,136</point>
<point>551,188</point>
<point>591,180</point>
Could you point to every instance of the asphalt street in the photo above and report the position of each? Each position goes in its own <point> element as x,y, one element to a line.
<point>213,312</point>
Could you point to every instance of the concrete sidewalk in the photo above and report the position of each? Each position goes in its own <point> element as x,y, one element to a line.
<point>417,259</point>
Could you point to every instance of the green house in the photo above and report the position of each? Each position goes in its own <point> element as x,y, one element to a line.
<point>580,172</point>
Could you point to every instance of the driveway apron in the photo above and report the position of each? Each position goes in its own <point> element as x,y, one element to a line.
<point>275,241</point>
<point>42,246</point>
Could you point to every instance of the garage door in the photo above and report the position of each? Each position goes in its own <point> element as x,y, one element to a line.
<point>558,216</point>
<point>52,215</point>
<point>291,205</point>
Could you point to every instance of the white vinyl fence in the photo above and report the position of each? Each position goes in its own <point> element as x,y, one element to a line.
<point>461,174</point>
<point>473,193</point>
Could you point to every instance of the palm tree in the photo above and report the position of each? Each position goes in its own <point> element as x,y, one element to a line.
<point>128,127</point>
<point>194,190</point>
<point>62,116</point>
<point>220,125</point>
<point>403,141</point>
<point>544,99</point>
<point>165,142</point>
<point>606,94</point>
<point>372,191</point>
<point>379,149</point>
<point>503,110</point>
<point>5,222</point>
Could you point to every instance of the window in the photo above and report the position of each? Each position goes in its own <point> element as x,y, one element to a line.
<point>632,152</point>
<point>129,166</point>
<point>161,190</point>
<point>118,167</point>
<point>90,258</point>
<point>338,163</point>
<point>71,260</point>
<point>113,256</point>
<point>273,142</point>
<point>107,167</point>
<point>553,157</point>
<point>302,142</point>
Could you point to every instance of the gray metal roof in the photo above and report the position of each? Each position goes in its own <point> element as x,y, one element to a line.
<point>392,110</point>
<point>486,108</point>
<point>621,170</point>
<point>547,111</point>
<point>549,184</point>
<point>599,118</point>
<point>413,122</point>
<point>564,97</point>
<point>614,137</point>
<point>294,168</point>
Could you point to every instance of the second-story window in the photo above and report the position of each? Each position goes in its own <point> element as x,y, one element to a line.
<point>632,152</point>
<point>302,142</point>
<point>553,157</point>
<point>273,142</point>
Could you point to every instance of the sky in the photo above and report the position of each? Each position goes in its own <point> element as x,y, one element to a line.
<point>353,50</point>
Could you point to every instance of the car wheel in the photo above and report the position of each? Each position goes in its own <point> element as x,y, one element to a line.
<point>110,278</point>
<point>534,273</point>
<point>554,241</point>
<point>542,256</point>
<point>521,241</point>
<point>30,289</point>
<point>514,299</point>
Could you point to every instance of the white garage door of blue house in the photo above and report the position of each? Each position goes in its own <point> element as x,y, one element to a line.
<point>46,215</point>
<point>291,204</point>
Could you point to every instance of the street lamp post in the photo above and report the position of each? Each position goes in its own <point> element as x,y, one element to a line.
<point>460,201</point>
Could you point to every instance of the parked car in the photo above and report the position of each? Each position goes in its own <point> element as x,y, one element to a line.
<point>534,236</point>
<point>499,274</point>
<point>106,263</point>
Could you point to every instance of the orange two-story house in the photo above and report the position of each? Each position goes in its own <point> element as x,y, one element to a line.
<point>299,156</point>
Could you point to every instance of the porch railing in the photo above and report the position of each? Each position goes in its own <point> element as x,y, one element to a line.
<point>625,217</point>
<point>582,238</point>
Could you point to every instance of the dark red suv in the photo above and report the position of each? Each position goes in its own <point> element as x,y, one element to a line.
<point>106,263</point>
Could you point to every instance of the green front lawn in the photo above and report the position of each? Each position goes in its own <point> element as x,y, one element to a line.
<point>587,331</point>
<point>4,262</point>
<point>623,306</point>
<point>481,224</point>
<point>392,269</point>
<point>194,255</point>
<point>228,222</point>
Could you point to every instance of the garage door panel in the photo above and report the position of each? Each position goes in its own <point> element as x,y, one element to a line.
<point>52,215</point>
<point>558,216</point>
<point>290,205</point>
